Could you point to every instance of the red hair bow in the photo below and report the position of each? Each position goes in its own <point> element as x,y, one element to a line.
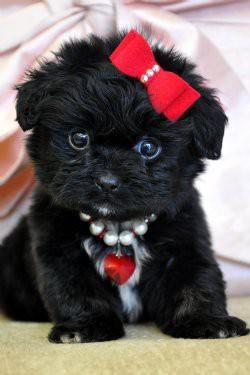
<point>168,93</point>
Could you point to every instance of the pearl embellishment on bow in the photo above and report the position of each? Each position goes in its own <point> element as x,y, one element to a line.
<point>150,73</point>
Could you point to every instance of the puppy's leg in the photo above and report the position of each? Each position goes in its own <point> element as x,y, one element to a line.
<point>79,303</point>
<point>94,326</point>
<point>190,302</point>
<point>200,308</point>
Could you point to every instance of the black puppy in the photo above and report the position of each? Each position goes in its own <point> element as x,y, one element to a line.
<point>101,150</point>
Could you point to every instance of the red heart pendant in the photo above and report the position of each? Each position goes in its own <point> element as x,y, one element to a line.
<point>119,268</point>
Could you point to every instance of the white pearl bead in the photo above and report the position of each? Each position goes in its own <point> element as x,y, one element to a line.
<point>152,217</point>
<point>150,72</point>
<point>144,78</point>
<point>84,217</point>
<point>140,227</point>
<point>110,238</point>
<point>96,228</point>
<point>156,68</point>
<point>126,237</point>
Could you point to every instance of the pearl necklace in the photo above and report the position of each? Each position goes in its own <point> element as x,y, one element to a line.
<point>137,227</point>
<point>117,264</point>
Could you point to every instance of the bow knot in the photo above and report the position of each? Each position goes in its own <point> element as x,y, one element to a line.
<point>168,93</point>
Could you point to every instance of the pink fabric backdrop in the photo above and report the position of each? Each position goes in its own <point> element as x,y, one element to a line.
<point>215,34</point>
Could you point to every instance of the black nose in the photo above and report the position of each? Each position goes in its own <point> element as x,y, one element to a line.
<point>108,183</point>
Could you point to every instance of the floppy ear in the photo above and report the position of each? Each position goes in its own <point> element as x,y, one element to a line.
<point>209,122</point>
<point>208,117</point>
<point>29,96</point>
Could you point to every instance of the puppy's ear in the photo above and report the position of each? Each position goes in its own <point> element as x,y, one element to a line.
<point>209,122</point>
<point>29,96</point>
<point>208,117</point>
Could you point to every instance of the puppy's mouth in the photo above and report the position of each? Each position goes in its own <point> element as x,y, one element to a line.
<point>102,210</point>
<point>111,212</point>
<point>105,210</point>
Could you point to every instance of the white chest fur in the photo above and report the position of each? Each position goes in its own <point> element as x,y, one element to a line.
<point>128,292</point>
<point>131,302</point>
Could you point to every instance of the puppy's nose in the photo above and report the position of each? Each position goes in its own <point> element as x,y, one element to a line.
<point>108,183</point>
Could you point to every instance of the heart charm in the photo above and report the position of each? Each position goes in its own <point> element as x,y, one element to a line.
<point>119,268</point>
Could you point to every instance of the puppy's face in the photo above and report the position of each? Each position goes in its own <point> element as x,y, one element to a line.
<point>99,146</point>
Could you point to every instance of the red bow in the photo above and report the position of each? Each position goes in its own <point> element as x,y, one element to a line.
<point>168,93</point>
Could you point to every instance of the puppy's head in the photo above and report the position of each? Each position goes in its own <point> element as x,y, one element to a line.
<point>97,143</point>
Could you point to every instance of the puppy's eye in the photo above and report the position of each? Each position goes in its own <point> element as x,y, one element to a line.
<point>79,140</point>
<point>148,148</point>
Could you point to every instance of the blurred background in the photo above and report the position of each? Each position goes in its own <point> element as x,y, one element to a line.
<point>215,34</point>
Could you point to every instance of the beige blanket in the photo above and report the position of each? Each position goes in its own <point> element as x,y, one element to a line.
<point>24,350</point>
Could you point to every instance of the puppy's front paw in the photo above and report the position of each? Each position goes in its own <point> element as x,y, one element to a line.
<point>87,330</point>
<point>212,327</point>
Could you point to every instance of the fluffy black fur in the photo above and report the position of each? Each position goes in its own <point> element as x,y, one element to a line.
<point>45,274</point>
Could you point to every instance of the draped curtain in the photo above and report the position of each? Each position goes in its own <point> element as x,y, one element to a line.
<point>214,33</point>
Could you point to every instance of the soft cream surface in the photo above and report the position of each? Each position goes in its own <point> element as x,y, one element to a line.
<point>24,350</point>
